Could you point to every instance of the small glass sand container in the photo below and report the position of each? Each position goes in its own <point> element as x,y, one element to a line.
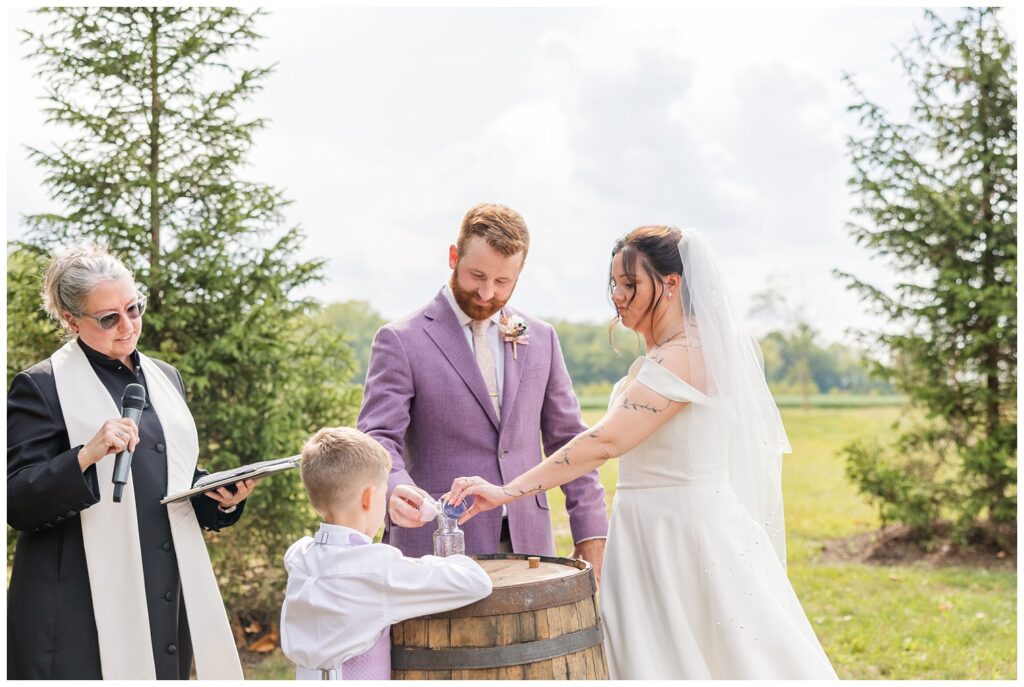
<point>448,538</point>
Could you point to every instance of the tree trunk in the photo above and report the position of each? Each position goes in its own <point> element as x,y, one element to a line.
<point>156,106</point>
<point>987,220</point>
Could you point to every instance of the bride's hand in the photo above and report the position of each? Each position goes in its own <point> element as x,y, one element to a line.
<point>486,496</point>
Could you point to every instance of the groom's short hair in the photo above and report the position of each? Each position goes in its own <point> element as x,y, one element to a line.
<point>503,228</point>
<point>338,463</point>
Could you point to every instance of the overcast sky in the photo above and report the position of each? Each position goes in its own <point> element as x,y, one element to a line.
<point>387,124</point>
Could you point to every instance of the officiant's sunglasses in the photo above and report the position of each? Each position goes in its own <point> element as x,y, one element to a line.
<point>111,319</point>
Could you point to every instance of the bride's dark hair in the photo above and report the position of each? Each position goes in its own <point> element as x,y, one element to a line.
<point>655,249</point>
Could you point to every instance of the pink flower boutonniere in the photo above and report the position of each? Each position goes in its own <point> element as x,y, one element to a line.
<point>513,330</point>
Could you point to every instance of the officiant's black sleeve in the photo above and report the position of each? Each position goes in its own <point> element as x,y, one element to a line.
<point>209,515</point>
<point>45,484</point>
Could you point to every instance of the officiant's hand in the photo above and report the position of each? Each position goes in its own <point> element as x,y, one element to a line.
<point>227,499</point>
<point>404,506</point>
<point>116,434</point>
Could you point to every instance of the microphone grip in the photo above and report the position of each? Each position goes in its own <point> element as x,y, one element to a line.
<point>123,460</point>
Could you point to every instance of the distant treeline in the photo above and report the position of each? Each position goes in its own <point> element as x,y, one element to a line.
<point>793,365</point>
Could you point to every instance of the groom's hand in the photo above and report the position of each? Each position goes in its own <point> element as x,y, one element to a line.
<point>592,551</point>
<point>404,505</point>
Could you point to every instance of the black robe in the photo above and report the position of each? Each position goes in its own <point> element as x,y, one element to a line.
<point>51,627</point>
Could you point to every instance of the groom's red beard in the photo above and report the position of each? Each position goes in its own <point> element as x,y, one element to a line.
<point>465,300</point>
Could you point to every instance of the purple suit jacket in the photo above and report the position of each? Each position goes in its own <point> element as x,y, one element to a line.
<point>426,402</point>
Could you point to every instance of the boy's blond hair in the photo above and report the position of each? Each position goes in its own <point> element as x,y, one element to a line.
<point>338,463</point>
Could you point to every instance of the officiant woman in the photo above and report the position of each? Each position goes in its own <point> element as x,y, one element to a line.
<point>105,589</point>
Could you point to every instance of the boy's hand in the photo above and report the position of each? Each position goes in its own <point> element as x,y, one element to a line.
<point>404,505</point>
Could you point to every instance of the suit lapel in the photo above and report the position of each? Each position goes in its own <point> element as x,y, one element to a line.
<point>513,373</point>
<point>443,329</point>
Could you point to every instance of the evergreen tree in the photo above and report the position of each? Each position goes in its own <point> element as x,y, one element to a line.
<point>31,334</point>
<point>938,201</point>
<point>152,170</point>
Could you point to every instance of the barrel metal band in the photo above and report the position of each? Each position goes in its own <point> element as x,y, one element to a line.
<point>405,658</point>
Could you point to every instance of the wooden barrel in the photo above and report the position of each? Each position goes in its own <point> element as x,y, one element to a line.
<point>538,623</point>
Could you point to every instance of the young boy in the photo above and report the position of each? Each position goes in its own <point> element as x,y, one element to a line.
<point>344,592</point>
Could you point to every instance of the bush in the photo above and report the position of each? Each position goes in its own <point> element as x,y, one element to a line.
<point>902,487</point>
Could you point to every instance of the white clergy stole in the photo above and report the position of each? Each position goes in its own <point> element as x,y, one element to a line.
<point>110,531</point>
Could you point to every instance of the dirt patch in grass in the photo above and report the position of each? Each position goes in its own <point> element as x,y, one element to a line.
<point>898,545</point>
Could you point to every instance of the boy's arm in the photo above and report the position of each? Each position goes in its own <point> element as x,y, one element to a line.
<point>422,586</point>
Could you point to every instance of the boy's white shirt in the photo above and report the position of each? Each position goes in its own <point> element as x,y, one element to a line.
<point>343,591</point>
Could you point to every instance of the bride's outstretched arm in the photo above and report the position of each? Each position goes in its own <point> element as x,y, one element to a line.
<point>636,415</point>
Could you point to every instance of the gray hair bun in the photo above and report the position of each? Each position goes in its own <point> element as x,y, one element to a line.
<point>72,275</point>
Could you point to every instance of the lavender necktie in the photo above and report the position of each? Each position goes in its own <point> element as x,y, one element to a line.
<point>486,361</point>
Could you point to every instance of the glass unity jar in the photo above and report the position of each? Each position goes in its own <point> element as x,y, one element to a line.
<point>448,538</point>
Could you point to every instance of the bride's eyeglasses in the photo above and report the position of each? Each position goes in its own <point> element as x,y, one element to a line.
<point>111,319</point>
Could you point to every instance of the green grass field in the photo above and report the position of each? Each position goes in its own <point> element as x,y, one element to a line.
<point>875,622</point>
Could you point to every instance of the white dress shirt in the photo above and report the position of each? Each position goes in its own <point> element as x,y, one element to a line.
<point>343,591</point>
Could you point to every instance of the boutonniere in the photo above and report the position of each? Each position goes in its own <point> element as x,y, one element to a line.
<point>513,330</point>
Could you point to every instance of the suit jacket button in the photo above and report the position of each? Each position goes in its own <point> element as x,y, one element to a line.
<point>171,649</point>
<point>168,596</point>
<point>166,546</point>
<point>159,448</point>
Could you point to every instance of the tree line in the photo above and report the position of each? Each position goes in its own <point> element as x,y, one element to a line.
<point>597,355</point>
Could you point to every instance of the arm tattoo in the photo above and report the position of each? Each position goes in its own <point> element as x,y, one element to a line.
<point>594,434</point>
<point>521,492</point>
<point>659,357</point>
<point>564,460</point>
<point>628,405</point>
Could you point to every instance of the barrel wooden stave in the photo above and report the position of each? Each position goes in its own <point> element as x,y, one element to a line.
<point>507,630</point>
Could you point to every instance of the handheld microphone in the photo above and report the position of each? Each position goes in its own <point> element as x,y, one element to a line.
<point>132,402</point>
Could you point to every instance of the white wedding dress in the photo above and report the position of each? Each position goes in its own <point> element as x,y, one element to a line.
<point>692,586</point>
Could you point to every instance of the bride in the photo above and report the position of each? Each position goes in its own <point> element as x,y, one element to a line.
<point>694,583</point>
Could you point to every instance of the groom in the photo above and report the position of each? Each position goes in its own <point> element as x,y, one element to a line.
<point>448,393</point>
